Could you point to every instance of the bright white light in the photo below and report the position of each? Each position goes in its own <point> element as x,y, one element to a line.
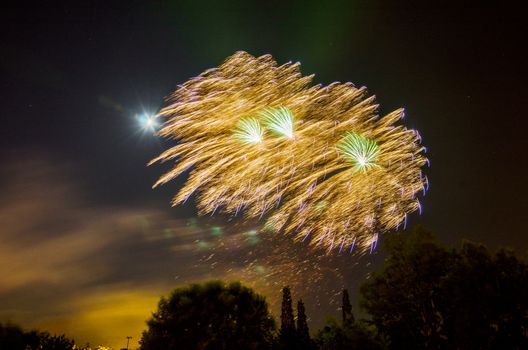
<point>279,121</point>
<point>248,130</point>
<point>148,122</point>
<point>362,160</point>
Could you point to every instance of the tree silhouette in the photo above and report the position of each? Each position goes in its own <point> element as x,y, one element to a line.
<point>430,297</point>
<point>55,342</point>
<point>303,333</point>
<point>349,334</point>
<point>13,337</point>
<point>485,300</point>
<point>358,335</point>
<point>287,319</point>
<point>287,330</point>
<point>210,316</point>
<point>346,308</point>
<point>407,286</point>
<point>288,334</point>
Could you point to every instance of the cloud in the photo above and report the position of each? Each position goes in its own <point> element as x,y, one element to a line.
<point>67,266</point>
<point>95,272</point>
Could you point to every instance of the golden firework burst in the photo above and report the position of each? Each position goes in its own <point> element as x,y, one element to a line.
<point>318,161</point>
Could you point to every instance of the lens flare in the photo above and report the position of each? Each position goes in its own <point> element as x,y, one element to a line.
<point>147,122</point>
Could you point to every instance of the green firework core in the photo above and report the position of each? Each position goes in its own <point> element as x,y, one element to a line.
<point>248,130</point>
<point>360,151</point>
<point>279,121</point>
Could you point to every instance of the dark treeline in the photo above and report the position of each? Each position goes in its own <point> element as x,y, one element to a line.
<point>431,297</point>
<point>12,337</point>
<point>425,297</point>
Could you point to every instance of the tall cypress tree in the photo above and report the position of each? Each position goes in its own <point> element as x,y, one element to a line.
<point>348,316</point>
<point>287,331</point>
<point>287,320</point>
<point>302,326</point>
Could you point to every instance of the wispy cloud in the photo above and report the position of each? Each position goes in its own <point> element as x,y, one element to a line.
<point>96,272</point>
<point>67,266</point>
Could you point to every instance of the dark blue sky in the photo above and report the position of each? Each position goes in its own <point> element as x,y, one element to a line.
<point>74,76</point>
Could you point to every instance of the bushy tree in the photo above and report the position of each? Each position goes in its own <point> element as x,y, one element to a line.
<point>401,298</point>
<point>210,316</point>
<point>55,342</point>
<point>427,296</point>
<point>484,300</point>
<point>13,337</point>
<point>350,336</point>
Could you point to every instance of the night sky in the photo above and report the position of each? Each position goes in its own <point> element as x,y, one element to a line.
<point>87,247</point>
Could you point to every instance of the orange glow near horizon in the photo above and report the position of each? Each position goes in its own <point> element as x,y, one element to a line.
<point>106,318</point>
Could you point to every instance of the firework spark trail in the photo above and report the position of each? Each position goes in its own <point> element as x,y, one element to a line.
<point>357,201</point>
<point>236,134</point>
<point>266,262</point>
<point>317,161</point>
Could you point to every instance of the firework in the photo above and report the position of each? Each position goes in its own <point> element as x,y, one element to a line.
<point>318,161</point>
<point>279,121</point>
<point>360,151</point>
<point>249,130</point>
<point>240,130</point>
<point>367,185</point>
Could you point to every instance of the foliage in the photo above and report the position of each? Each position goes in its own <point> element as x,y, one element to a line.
<point>346,308</point>
<point>349,334</point>
<point>430,297</point>
<point>485,302</point>
<point>287,320</point>
<point>353,335</point>
<point>210,316</point>
<point>13,337</point>
<point>400,298</point>
<point>303,333</point>
<point>291,337</point>
<point>55,342</point>
<point>302,326</point>
<point>287,334</point>
<point>425,297</point>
